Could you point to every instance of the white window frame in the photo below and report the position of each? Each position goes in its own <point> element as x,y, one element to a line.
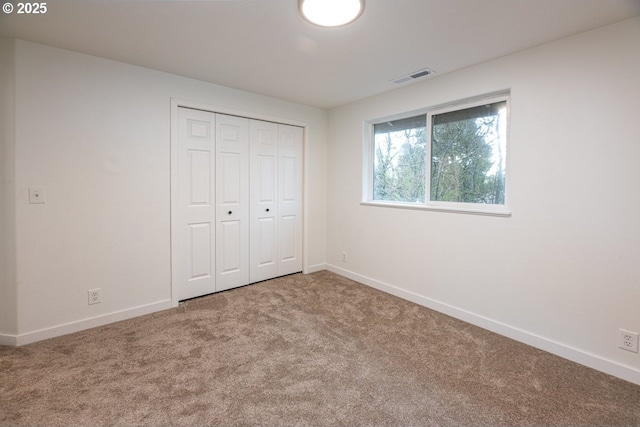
<point>469,208</point>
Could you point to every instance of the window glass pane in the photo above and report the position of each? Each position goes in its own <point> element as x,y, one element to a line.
<point>399,162</point>
<point>468,152</point>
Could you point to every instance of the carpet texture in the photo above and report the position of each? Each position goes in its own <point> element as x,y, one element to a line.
<point>302,350</point>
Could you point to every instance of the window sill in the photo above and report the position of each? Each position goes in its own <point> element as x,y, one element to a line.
<point>452,208</point>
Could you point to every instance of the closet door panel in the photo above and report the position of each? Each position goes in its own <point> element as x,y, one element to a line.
<point>232,201</point>
<point>230,237</point>
<point>195,230</point>
<point>288,238</point>
<point>290,139</point>
<point>264,202</point>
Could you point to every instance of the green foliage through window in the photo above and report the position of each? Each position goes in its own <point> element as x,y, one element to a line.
<point>468,155</point>
<point>467,151</point>
<point>399,160</point>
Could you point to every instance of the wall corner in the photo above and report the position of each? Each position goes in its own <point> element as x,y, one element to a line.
<point>8,277</point>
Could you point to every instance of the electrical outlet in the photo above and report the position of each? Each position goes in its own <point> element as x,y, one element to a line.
<point>94,296</point>
<point>344,257</point>
<point>36,195</point>
<point>628,340</point>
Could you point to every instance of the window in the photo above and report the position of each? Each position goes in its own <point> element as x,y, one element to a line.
<point>399,170</point>
<point>451,158</point>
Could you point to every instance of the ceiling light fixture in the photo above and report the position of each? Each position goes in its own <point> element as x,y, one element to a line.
<point>331,13</point>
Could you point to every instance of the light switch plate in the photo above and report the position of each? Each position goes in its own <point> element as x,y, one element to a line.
<point>36,195</point>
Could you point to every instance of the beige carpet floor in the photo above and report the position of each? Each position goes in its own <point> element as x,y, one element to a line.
<point>303,350</point>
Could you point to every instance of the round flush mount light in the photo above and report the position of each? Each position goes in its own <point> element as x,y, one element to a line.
<point>331,13</point>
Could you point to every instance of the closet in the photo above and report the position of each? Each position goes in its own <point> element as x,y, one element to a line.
<point>239,214</point>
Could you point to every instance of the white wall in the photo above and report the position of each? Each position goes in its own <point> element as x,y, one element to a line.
<point>96,135</point>
<point>562,273</point>
<point>7,194</point>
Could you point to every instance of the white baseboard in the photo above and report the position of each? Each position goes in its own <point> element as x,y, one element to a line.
<point>8,339</point>
<point>567,352</point>
<point>69,328</point>
<point>315,268</point>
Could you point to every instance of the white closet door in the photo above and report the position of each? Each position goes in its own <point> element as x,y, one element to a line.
<point>195,229</point>
<point>264,203</point>
<point>232,201</point>
<point>290,139</point>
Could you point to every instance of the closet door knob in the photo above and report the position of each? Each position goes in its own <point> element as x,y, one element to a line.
<point>267,209</point>
<point>230,212</point>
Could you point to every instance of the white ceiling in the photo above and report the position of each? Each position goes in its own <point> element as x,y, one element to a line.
<point>265,47</point>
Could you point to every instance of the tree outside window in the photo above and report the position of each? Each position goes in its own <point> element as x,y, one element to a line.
<point>467,152</point>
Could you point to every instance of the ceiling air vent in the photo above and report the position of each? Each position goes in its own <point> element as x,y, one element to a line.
<point>413,76</point>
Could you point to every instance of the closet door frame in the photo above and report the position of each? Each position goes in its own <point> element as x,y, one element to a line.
<point>177,103</point>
